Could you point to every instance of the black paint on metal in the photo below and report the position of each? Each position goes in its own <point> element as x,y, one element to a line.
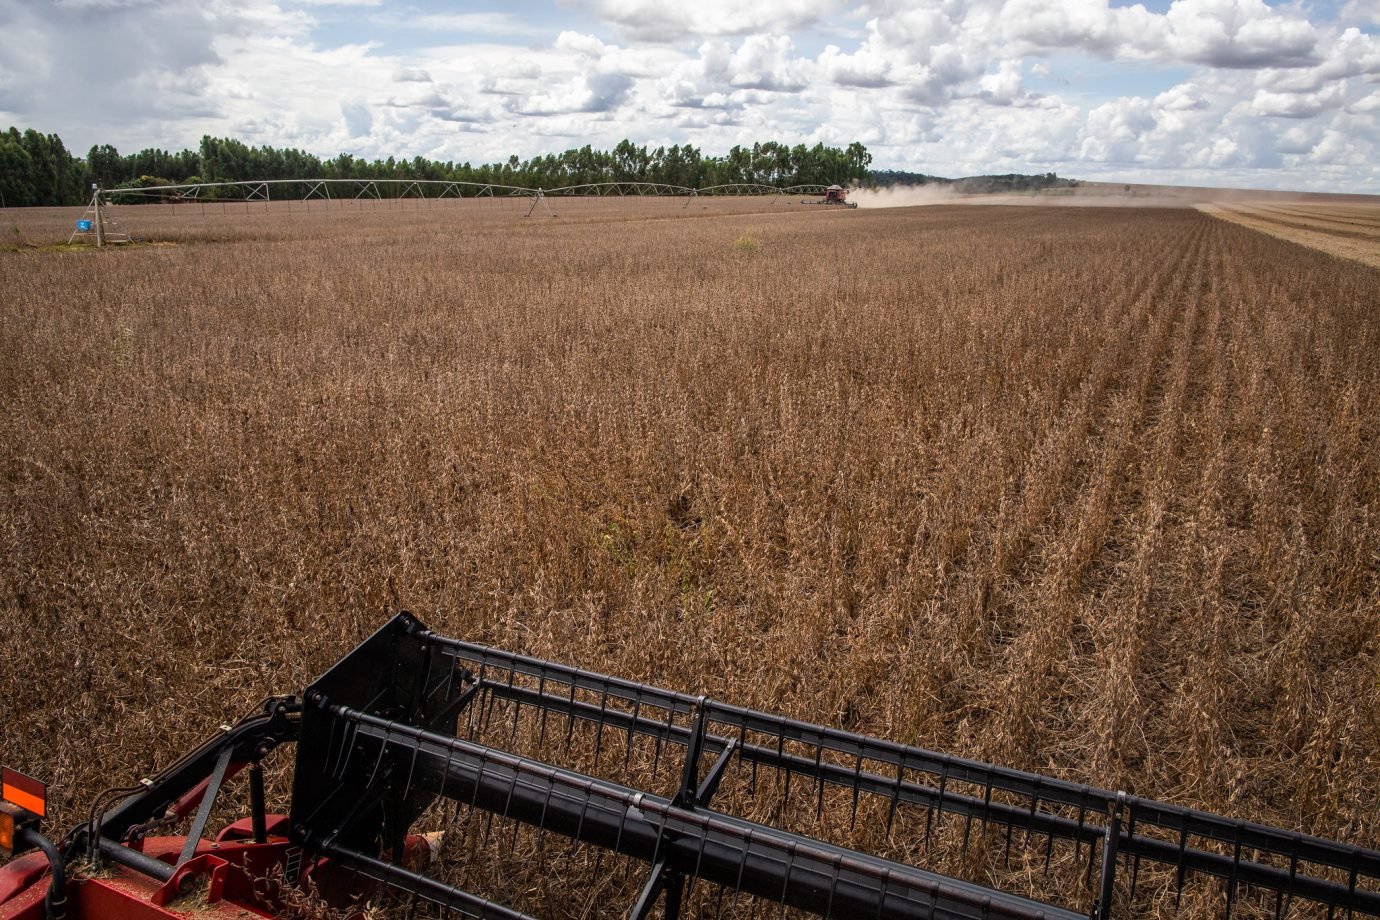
<point>208,801</point>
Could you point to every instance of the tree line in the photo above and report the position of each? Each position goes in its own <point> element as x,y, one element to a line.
<point>37,169</point>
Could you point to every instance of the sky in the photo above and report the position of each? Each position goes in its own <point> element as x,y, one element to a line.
<point>1237,93</point>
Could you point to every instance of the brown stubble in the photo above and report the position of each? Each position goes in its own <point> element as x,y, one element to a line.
<point>1083,491</point>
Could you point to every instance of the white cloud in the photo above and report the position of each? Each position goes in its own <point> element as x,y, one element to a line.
<point>1005,87</point>
<point>766,62</point>
<point>1360,12</point>
<point>1366,105</point>
<point>1215,33</point>
<point>1297,105</point>
<point>592,92</point>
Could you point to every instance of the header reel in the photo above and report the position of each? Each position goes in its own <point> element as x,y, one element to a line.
<point>534,770</point>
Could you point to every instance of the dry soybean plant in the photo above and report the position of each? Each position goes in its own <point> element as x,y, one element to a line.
<point>1091,492</point>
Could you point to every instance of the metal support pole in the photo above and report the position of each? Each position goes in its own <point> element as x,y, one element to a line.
<point>1111,843</point>
<point>690,775</point>
<point>133,859</point>
<point>257,818</point>
<point>100,218</point>
<point>208,801</point>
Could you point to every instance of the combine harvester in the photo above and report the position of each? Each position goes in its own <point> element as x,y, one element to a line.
<point>714,809</point>
<point>834,196</point>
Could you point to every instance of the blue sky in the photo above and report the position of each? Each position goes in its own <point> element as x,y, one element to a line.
<point>1212,92</point>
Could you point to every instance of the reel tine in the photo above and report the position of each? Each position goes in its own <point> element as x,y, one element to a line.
<point>1352,879</point>
<point>857,791</point>
<point>1235,870</point>
<point>785,793</point>
<point>1135,859</point>
<point>1078,839</point>
<point>1034,811</point>
<point>895,794</point>
<point>661,737</point>
<point>833,887</point>
<point>819,776</point>
<point>1181,867</point>
<point>570,717</point>
<point>489,712</point>
<point>632,726</point>
<point>541,728</point>
<point>517,712</point>
<point>545,805</point>
<point>599,725</point>
<point>935,816</point>
<point>786,877</point>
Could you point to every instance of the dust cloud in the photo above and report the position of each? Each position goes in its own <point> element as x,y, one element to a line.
<point>1094,195</point>
<point>903,196</point>
<point>910,196</point>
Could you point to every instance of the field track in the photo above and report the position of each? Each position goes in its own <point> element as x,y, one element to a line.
<point>1090,491</point>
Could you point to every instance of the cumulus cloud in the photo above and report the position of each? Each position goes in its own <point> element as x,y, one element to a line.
<point>588,93</point>
<point>1004,87</point>
<point>1215,33</point>
<point>1360,12</point>
<point>1297,105</point>
<point>766,62</point>
<point>110,62</point>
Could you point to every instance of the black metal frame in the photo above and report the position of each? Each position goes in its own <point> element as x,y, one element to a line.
<point>411,717</point>
<point>379,744</point>
<point>110,831</point>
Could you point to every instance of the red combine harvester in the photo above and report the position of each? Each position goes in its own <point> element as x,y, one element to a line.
<point>834,196</point>
<point>413,729</point>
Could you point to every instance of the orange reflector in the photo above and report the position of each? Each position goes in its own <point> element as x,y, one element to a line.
<point>6,834</point>
<point>24,791</point>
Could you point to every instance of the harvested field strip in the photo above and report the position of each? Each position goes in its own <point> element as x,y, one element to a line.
<point>1307,222</point>
<point>1358,216</point>
<point>1343,245</point>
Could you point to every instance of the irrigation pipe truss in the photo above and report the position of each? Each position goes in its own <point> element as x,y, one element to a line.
<point>260,190</point>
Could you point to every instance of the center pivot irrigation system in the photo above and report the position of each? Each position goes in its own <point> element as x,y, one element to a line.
<point>96,220</point>
<point>413,728</point>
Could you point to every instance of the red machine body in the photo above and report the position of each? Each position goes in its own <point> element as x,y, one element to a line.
<point>834,196</point>
<point>230,878</point>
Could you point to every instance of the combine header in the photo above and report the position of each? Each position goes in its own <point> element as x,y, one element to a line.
<point>644,801</point>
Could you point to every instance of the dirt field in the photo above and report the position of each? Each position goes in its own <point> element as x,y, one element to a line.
<point>1086,491</point>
